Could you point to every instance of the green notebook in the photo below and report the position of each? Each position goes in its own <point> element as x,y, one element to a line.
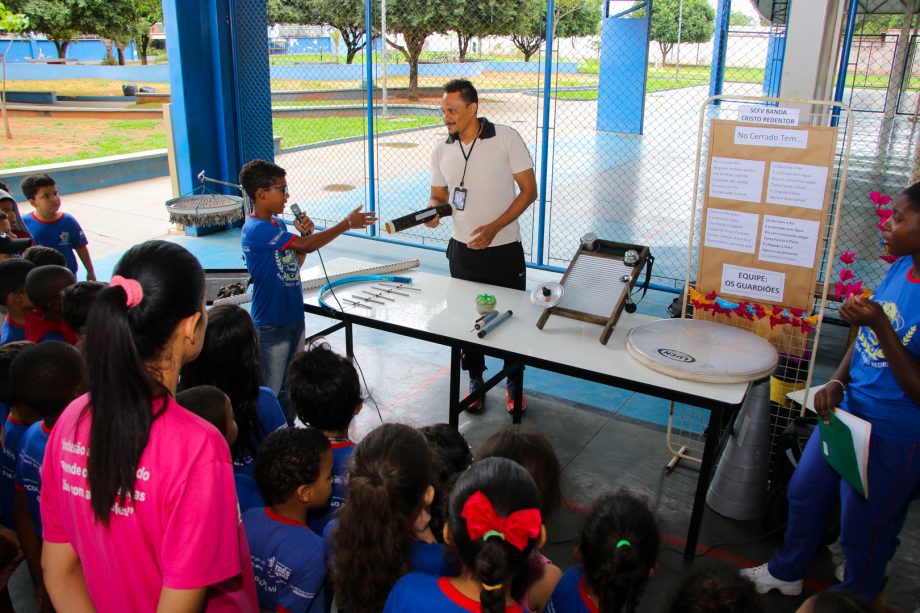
<point>845,446</point>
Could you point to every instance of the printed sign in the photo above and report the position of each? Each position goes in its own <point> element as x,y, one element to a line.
<point>731,230</point>
<point>735,179</point>
<point>771,137</point>
<point>784,240</point>
<point>753,283</point>
<point>797,185</point>
<point>770,115</point>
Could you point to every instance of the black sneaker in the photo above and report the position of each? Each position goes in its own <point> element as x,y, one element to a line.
<point>478,406</point>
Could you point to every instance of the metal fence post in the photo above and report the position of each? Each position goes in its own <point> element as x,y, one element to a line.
<point>544,140</point>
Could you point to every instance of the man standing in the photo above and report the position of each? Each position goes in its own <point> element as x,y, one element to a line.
<point>486,173</point>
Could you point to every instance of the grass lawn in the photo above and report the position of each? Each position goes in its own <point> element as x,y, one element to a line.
<point>357,102</point>
<point>301,131</point>
<point>45,140</point>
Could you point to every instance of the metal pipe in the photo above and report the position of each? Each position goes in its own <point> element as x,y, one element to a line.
<point>544,140</point>
<point>369,84</point>
<point>845,58</point>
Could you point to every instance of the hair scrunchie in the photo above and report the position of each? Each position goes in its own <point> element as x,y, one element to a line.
<point>133,291</point>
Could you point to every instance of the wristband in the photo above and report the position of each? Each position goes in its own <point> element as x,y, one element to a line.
<point>842,385</point>
<point>348,220</point>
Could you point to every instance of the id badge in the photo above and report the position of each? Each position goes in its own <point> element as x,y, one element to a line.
<point>459,199</point>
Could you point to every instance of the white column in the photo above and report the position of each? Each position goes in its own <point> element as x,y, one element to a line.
<point>812,42</point>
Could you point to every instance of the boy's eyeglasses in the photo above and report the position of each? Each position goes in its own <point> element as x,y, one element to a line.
<point>281,188</point>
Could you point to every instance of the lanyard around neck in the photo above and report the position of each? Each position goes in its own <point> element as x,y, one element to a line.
<point>466,156</point>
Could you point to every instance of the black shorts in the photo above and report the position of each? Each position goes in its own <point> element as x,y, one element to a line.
<point>503,266</point>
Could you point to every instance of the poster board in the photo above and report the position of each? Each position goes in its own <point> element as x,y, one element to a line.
<point>765,211</point>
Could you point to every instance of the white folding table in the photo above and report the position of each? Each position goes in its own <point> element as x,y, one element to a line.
<point>443,312</point>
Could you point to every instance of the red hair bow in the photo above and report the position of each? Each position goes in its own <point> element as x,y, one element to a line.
<point>482,520</point>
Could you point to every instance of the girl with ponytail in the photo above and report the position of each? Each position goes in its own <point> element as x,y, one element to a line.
<point>389,493</point>
<point>494,523</point>
<point>138,501</point>
<point>618,550</point>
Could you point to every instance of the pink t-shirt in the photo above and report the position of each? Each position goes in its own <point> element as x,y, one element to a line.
<point>182,530</point>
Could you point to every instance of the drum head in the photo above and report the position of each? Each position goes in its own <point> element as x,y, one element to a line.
<point>700,350</point>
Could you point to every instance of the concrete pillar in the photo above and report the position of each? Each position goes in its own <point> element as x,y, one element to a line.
<point>812,38</point>
<point>218,71</point>
<point>893,92</point>
<point>623,72</point>
<point>776,55</point>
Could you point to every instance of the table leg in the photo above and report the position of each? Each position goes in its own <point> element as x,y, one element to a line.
<point>518,376</point>
<point>454,394</point>
<point>702,483</point>
<point>349,340</point>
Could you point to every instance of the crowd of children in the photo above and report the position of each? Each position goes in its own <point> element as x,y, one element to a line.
<point>145,467</point>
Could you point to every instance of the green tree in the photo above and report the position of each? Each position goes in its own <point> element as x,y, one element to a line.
<point>285,11</point>
<point>695,25</point>
<point>115,20</point>
<point>416,20</point>
<point>62,20</point>
<point>53,18</point>
<point>469,19</point>
<point>345,16</point>
<point>737,18</point>
<point>878,24</point>
<point>148,13</point>
<point>570,18</point>
<point>12,23</point>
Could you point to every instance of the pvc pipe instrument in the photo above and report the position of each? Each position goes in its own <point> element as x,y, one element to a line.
<point>485,319</point>
<point>494,323</point>
<point>418,217</point>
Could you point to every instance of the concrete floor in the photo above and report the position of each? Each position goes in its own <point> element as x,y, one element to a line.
<point>604,437</point>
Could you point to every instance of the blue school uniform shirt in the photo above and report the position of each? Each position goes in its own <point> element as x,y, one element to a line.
<point>430,559</point>
<point>571,595</point>
<point>64,234</point>
<point>14,431</point>
<point>270,417</point>
<point>247,492</point>
<point>426,558</point>
<point>277,295</point>
<point>341,454</point>
<point>420,592</point>
<point>11,331</point>
<point>872,392</point>
<point>287,559</point>
<point>29,469</point>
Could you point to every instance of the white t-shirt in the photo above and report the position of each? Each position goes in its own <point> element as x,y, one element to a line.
<point>498,154</point>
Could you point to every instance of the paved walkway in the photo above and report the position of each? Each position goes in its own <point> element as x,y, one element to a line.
<point>115,218</point>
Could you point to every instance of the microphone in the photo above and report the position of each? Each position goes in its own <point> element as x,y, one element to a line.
<point>413,219</point>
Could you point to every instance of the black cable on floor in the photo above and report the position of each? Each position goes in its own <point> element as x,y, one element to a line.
<point>354,358</point>
<point>715,546</point>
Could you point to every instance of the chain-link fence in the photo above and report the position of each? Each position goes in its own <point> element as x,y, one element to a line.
<point>882,88</point>
<point>617,114</point>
